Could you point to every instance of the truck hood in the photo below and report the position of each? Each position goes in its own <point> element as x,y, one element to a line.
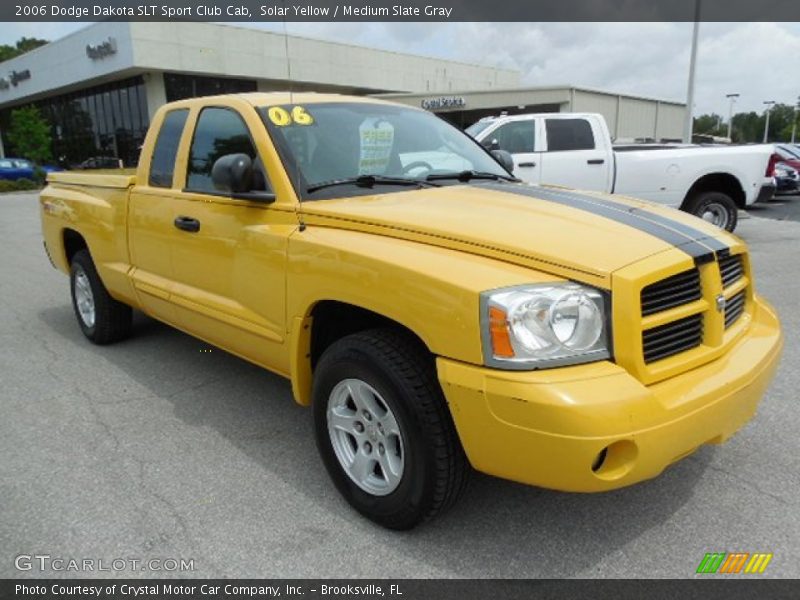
<point>580,235</point>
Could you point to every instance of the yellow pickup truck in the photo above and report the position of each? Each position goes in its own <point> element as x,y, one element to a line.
<point>436,313</point>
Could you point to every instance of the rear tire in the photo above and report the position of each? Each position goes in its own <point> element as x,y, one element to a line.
<point>102,319</point>
<point>714,207</point>
<point>384,430</point>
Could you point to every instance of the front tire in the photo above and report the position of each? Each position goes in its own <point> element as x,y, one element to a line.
<point>384,431</point>
<point>716,208</point>
<point>102,319</point>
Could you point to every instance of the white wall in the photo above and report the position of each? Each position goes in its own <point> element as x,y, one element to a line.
<point>65,62</point>
<point>670,121</point>
<point>211,49</point>
<point>605,104</point>
<point>631,117</point>
<point>206,48</point>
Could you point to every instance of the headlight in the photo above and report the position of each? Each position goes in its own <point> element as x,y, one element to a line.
<point>544,325</point>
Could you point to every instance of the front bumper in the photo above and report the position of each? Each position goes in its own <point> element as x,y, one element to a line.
<point>550,428</point>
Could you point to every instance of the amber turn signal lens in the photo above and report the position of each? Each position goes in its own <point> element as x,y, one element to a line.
<point>501,342</point>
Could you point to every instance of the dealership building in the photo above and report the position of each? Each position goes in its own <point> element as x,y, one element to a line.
<point>100,86</point>
<point>629,117</point>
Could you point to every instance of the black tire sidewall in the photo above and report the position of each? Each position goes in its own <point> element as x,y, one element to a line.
<point>82,262</point>
<point>720,198</point>
<point>406,505</point>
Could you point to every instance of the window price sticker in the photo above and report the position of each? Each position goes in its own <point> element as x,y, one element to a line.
<point>376,140</point>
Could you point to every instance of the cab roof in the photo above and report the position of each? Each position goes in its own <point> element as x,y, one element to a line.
<point>259,99</point>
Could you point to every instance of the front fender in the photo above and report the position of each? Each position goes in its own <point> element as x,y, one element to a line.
<point>432,291</point>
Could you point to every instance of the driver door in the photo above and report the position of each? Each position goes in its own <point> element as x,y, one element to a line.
<point>229,254</point>
<point>518,138</point>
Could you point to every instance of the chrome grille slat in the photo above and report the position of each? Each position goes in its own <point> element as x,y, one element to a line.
<point>654,296</point>
<point>673,291</point>
<point>734,309</point>
<point>684,335</point>
<point>731,269</point>
<point>672,331</point>
<point>672,338</point>
<point>682,290</point>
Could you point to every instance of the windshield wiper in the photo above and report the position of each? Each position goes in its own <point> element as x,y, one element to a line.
<point>369,181</point>
<point>469,175</point>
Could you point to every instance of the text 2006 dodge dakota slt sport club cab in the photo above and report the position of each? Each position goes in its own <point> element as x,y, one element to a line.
<point>435,317</point>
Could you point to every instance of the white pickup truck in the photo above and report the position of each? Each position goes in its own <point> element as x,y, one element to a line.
<point>575,150</point>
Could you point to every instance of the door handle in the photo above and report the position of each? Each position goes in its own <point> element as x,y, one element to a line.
<point>187,224</point>
<point>527,164</point>
<point>595,161</point>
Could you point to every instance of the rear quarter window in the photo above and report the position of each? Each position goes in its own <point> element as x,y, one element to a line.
<point>162,165</point>
<point>569,134</point>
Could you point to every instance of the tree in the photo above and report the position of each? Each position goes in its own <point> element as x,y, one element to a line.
<point>780,123</point>
<point>709,125</point>
<point>22,46</point>
<point>30,135</point>
<point>748,127</point>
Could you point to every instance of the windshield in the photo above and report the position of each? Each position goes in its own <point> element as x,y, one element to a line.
<point>382,143</point>
<point>476,128</point>
<point>789,152</point>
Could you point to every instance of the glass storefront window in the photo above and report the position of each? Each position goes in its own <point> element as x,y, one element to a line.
<point>110,121</point>
<point>178,86</point>
<point>107,121</point>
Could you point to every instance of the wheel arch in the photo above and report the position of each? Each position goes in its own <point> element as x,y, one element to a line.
<point>72,242</point>
<point>325,322</point>
<point>717,182</point>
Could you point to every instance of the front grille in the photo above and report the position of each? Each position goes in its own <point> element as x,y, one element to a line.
<point>731,269</point>
<point>674,291</point>
<point>734,308</point>
<point>698,334</point>
<point>672,338</point>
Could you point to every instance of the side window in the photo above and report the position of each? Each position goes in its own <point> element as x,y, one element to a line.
<point>515,136</point>
<point>569,134</point>
<point>219,131</point>
<point>162,165</point>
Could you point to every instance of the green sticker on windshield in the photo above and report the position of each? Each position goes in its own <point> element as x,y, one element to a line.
<point>376,137</point>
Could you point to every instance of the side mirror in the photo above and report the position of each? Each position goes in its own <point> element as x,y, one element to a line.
<point>491,144</point>
<point>233,173</point>
<point>505,159</point>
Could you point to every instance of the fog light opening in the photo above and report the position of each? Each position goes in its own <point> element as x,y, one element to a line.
<point>599,459</point>
<point>615,460</point>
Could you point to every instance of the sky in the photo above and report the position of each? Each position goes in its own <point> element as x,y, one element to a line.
<point>756,60</point>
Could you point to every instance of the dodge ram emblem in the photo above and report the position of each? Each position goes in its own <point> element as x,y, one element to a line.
<point>720,303</point>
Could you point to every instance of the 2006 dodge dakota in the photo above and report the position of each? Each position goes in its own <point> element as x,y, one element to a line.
<point>434,311</point>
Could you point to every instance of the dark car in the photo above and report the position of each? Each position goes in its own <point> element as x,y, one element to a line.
<point>787,179</point>
<point>100,162</point>
<point>16,168</point>
<point>21,168</point>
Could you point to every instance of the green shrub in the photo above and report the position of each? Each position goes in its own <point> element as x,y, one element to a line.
<point>20,185</point>
<point>39,175</point>
<point>26,184</point>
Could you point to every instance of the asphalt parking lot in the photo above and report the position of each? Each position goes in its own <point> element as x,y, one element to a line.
<point>158,448</point>
<point>782,208</point>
